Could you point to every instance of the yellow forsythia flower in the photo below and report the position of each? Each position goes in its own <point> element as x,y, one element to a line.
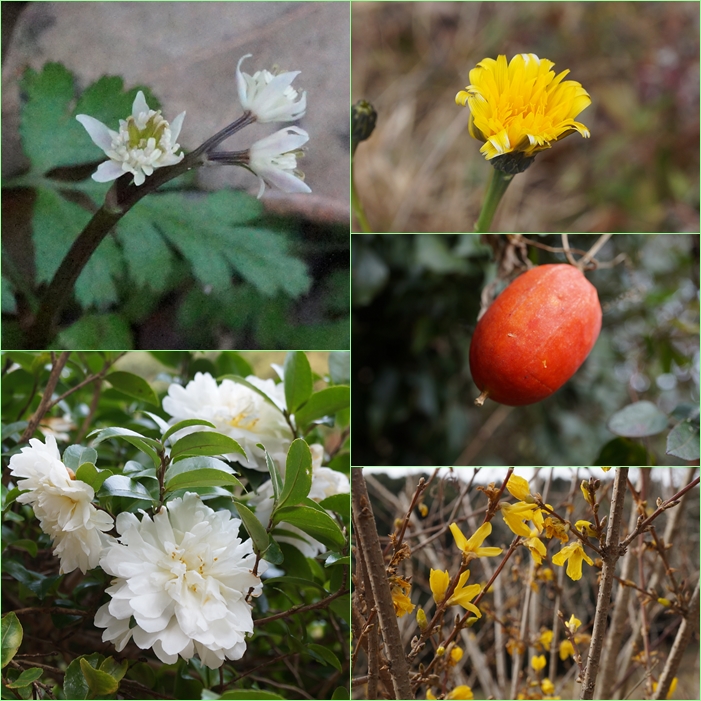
<point>574,554</point>
<point>439,581</point>
<point>455,655</point>
<point>566,650</point>
<point>546,637</point>
<point>402,603</point>
<point>556,529</point>
<point>538,662</point>
<point>518,487</point>
<point>585,491</point>
<point>547,687</point>
<point>460,692</point>
<point>586,527</point>
<point>535,545</point>
<point>463,595</point>
<point>473,545</point>
<point>521,106</point>
<point>605,469</point>
<point>430,696</point>
<point>573,624</point>
<point>514,516</point>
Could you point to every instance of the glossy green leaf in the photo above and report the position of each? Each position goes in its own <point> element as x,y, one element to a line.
<point>298,380</point>
<point>197,462</point>
<point>317,524</point>
<point>11,637</point>
<point>339,503</point>
<point>146,445</point>
<point>337,559</point>
<point>683,440</point>
<point>160,422</point>
<point>637,420</point>
<point>99,682</point>
<point>622,451</point>
<point>201,477</point>
<point>339,367</point>
<point>326,402</point>
<point>273,554</point>
<point>340,693</point>
<point>324,655</point>
<point>251,695</point>
<point>115,669</point>
<point>29,546</point>
<point>26,678</point>
<point>89,474</point>
<point>12,428</point>
<point>298,474</point>
<point>185,423</point>
<point>205,443</point>
<point>97,331</point>
<point>233,363</point>
<point>75,687</point>
<point>75,455</point>
<point>275,476</point>
<point>123,486</point>
<point>133,386</point>
<point>255,528</point>
<point>296,582</point>
<point>36,582</point>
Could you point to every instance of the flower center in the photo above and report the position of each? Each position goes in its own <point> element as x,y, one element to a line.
<point>154,128</point>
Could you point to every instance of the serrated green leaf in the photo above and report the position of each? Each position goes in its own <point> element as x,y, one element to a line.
<point>75,455</point>
<point>205,443</point>
<point>11,637</point>
<point>254,527</point>
<point>339,367</point>
<point>316,523</point>
<point>298,380</point>
<point>683,441</point>
<point>97,331</point>
<point>143,443</point>
<point>98,682</point>
<point>26,678</point>
<point>133,386</point>
<point>74,684</point>
<point>324,655</point>
<point>184,424</point>
<point>298,474</point>
<point>123,486</point>
<point>326,402</point>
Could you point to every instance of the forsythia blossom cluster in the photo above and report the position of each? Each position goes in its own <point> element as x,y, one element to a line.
<point>62,504</point>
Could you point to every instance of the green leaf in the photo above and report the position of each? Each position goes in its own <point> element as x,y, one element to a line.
<point>298,474</point>
<point>201,477</point>
<point>231,362</point>
<point>98,681</point>
<point>251,695</point>
<point>341,607</point>
<point>324,655</point>
<point>326,402</point>
<point>89,474</point>
<point>15,427</point>
<point>297,583</point>
<point>298,380</point>
<point>340,693</point>
<point>340,503</point>
<point>29,546</point>
<point>143,443</point>
<point>275,476</point>
<point>205,443</point>
<point>123,486</point>
<point>11,637</point>
<point>339,367</point>
<point>34,581</point>
<point>74,684</point>
<point>75,455</point>
<point>273,553</point>
<point>133,386</point>
<point>622,451</point>
<point>683,440</point>
<point>337,559</point>
<point>26,678</point>
<point>184,424</point>
<point>255,528</point>
<point>638,420</point>
<point>97,331</point>
<point>7,297</point>
<point>115,669</point>
<point>317,524</point>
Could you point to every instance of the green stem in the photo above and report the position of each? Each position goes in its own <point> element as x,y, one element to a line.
<point>358,205</point>
<point>497,187</point>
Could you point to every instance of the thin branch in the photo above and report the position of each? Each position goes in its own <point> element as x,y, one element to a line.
<point>601,241</point>
<point>566,249</point>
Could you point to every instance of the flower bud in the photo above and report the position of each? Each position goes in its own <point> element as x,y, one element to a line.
<point>363,120</point>
<point>664,602</point>
<point>440,651</point>
<point>421,619</point>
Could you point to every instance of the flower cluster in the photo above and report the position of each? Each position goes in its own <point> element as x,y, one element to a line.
<point>62,504</point>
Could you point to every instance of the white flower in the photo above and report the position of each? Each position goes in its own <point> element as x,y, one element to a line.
<point>145,141</point>
<point>270,97</point>
<point>62,505</point>
<point>274,160</point>
<point>181,583</point>
<point>236,411</point>
<point>325,483</point>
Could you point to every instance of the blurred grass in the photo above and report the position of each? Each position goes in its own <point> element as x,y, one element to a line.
<point>639,61</point>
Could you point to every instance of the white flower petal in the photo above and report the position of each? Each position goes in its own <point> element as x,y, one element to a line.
<point>100,134</point>
<point>139,106</point>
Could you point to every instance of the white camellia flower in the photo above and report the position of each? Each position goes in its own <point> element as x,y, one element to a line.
<point>271,98</point>
<point>63,505</point>
<point>180,584</point>
<point>145,141</point>
<point>274,160</point>
<point>236,411</point>
<point>325,483</point>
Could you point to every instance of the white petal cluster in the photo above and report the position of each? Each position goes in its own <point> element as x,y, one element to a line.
<point>236,411</point>
<point>271,98</point>
<point>62,505</point>
<point>180,584</point>
<point>145,141</point>
<point>274,160</point>
<point>325,483</point>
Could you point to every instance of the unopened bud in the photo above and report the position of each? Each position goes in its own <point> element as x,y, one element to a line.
<point>421,619</point>
<point>440,651</point>
<point>664,602</point>
<point>363,120</point>
<point>471,621</point>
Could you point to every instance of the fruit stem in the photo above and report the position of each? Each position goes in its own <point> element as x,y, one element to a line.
<point>480,400</point>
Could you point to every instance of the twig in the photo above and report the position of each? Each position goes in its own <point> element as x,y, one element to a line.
<point>370,551</point>
<point>58,365</point>
<point>568,252</point>
<point>483,435</point>
<point>305,607</point>
<point>612,552</point>
<point>601,241</point>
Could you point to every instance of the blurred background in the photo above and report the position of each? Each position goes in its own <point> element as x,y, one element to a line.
<point>639,61</point>
<point>415,305</point>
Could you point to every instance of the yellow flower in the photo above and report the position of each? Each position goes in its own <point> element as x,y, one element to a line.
<point>402,603</point>
<point>585,491</point>
<point>429,695</point>
<point>518,487</point>
<point>535,545</point>
<point>440,651</point>
<point>546,574</point>
<point>421,619</point>
<point>423,510</point>
<point>455,656</point>
<point>566,650</point>
<point>586,528</point>
<point>473,545</point>
<point>439,581</point>
<point>546,637</point>
<point>521,106</point>
<point>574,554</point>
<point>573,624</point>
<point>547,687</point>
<point>514,516</point>
<point>672,687</point>
<point>605,469</point>
<point>555,529</point>
<point>463,595</point>
<point>461,692</point>
<point>538,662</point>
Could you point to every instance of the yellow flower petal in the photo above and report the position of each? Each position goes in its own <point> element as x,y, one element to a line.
<point>518,487</point>
<point>547,687</point>
<point>514,516</point>
<point>538,662</point>
<point>439,581</point>
<point>566,650</point>
<point>430,696</point>
<point>460,539</point>
<point>460,692</point>
<point>574,623</point>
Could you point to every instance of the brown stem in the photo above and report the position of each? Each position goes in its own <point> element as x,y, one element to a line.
<point>302,607</point>
<point>612,552</point>
<point>369,549</point>
<point>58,365</point>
